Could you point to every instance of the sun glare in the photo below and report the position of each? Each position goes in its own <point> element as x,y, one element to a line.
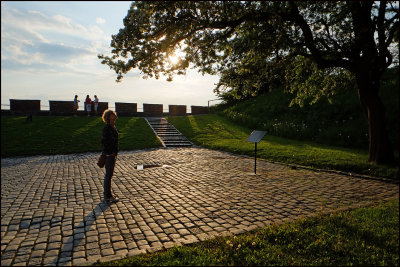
<point>173,59</point>
<point>176,56</point>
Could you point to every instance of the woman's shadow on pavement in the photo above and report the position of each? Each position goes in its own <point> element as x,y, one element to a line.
<point>79,233</point>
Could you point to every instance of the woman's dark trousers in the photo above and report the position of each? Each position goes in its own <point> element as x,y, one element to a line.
<point>110,163</point>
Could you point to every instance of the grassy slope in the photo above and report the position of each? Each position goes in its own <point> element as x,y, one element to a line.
<point>216,132</point>
<point>59,135</point>
<point>339,123</point>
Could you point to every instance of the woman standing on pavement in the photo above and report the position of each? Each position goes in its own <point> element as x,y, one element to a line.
<point>109,140</point>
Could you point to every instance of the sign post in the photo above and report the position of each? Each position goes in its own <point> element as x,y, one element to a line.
<point>255,137</point>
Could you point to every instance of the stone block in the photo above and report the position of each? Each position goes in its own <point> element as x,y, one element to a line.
<point>177,110</point>
<point>19,106</point>
<point>153,110</point>
<point>61,107</point>
<point>198,110</point>
<point>126,109</point>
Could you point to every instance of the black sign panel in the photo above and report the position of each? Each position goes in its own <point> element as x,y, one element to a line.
<point>256,136</point>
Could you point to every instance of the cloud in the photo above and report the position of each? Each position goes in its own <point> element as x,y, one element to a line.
<point>32,39</point>
<point>100,21</point>
<point>44,53</point>
<point>59,53</point>
<point>36,22</point>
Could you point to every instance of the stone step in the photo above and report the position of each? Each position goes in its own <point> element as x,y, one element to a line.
<point>178,145</point>
<point>176,142</point>
<point>162,126</point>
<point>166,136</point>
<point>159,125</point>
<point>164,129</point>
<point>167,133</point>
<point>174,138</point>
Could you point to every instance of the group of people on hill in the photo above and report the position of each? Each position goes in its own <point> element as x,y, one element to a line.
<point>88,104</point>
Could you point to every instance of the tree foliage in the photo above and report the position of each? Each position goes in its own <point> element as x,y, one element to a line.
<point>226,35</point>
<point>308,83</point>
<point>311,47</point>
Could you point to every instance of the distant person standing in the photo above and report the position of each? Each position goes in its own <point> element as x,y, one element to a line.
<point>88,103</point>
<point>76,105</point>
<point>96,104</point>
<point>109,139</point>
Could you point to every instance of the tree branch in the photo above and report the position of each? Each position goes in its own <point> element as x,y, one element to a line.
<point>335,44</point>
<point>317,55</point>
<point>382,48</point>
<point>392,31</point>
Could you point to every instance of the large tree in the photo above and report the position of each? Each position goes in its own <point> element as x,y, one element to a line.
<point>223,36</point>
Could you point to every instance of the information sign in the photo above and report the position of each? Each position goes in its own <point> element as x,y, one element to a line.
<point>255,137</point>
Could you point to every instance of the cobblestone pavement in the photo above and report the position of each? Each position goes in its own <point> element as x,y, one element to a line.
<point>52,212</point>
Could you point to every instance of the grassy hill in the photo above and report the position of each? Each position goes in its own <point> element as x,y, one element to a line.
<point>216,132</point>
<point>339,123</point>
<point>66,134</point>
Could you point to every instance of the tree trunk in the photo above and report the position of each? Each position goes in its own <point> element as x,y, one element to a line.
<point>380,149</point>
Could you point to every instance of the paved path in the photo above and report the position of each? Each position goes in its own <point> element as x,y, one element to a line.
<point>52,213</point>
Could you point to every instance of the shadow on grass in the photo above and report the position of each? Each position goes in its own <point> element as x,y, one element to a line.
<point>183,124</point>
<point>135,133</point>
<point>85,128</point>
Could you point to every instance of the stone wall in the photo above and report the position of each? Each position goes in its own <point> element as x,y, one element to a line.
<point>153,109</point>
<point>100,109</point>
<point>126,109</point>
<point>18,106</point>
<point>67,108</point>
<point>197,110</point>
<point>27,107</point>
<point>177,110</point>
<point>61,107</point>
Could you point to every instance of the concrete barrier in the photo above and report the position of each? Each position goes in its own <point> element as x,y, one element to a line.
<point>126,109</point>
<point>177,110</point>
<point>197,110</point>
<point>153,110</point>
<point>26,107</point>
<point>67,108</point>
<point>61,107</point>
<point>100,109</point>
<point>19,106</point>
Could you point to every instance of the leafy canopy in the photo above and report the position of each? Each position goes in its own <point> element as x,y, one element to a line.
<point>312,47</point>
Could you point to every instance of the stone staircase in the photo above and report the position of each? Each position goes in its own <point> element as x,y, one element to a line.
<point>167,133</point>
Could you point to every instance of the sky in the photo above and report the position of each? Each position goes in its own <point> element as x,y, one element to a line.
<point>49,52</point>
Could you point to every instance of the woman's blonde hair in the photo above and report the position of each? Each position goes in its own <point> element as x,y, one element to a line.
<point>106,115</point>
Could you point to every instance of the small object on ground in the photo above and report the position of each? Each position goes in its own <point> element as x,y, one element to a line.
<point>29,118</point>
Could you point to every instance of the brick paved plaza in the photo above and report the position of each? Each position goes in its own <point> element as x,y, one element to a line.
<point>52,211</point>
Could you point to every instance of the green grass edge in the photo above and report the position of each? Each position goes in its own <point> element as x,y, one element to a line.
<point>366,236</point>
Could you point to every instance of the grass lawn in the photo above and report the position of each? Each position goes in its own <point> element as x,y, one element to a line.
<point>215,132</point>
<point>63,135</point>
<point>365,236</point>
